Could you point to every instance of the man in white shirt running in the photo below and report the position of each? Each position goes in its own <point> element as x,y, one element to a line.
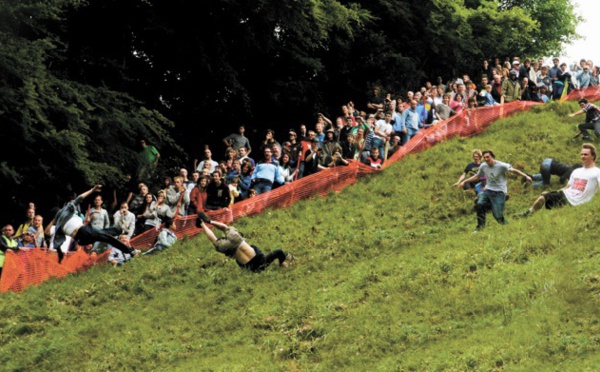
<point>581,188</point>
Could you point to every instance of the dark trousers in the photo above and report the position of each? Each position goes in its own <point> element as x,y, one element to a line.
<point>595,125</point>
<point>261,261</point>
<point>89,235</point>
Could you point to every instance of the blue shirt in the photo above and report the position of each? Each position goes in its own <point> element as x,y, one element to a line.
<point>422,114</point>
<point>410,118</point>
<point>268,171</point>
<point>398,123</point>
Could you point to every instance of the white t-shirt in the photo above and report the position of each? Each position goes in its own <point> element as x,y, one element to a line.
<point>383,127</point>
<point>65,246</point>
<point>496,175</point>
<point>74,223</point>
<point>582,185</point>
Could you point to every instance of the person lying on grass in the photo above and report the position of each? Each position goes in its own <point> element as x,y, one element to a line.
<point>233,245</point>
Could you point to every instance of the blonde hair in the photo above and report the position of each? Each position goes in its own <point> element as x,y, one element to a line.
<point>477,152</point>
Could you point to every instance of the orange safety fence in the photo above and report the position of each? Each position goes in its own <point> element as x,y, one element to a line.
<point>23,269</point>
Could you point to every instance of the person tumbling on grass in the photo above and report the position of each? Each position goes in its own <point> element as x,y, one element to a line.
<point>494,194</point>
<point>581,188</point>
<point>233,245</point>
<point>69,223</point>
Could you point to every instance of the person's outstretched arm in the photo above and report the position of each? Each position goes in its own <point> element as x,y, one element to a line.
<point>94,189</point>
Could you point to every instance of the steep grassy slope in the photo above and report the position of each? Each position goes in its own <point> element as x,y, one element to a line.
<point>389,277</point>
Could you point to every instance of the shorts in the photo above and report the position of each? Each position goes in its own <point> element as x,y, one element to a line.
<point>555,199</point>
<point>232,241</point>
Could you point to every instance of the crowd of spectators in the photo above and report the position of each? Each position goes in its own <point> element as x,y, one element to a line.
<point>368,135</point>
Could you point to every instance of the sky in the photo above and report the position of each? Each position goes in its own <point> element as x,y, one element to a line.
<point>589,28</point>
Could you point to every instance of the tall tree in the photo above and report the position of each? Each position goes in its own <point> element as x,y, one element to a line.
<point>65,135</point>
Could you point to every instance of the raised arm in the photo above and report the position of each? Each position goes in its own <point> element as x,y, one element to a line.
<point>94,189</point>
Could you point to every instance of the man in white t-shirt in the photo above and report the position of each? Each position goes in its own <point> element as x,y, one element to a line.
<point>383,132</point>
<point>581,188</point>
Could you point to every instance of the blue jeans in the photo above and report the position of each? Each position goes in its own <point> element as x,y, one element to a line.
<point>543,178</point>
<point>379,143</point>
<point>493,199</point>
<point>410,133</point>
<point>261,186</point>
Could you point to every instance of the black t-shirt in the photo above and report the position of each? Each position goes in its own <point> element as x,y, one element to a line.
<point>470,170</point>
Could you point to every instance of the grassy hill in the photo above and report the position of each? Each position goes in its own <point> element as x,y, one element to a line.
<point>389,277</point>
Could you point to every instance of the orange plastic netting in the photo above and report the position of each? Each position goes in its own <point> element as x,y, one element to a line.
<point>23,269</point>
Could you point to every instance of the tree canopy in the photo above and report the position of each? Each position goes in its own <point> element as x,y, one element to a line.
<point>83,81</point>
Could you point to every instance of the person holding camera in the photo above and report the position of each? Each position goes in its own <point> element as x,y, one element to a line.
<point>124,220</point>
<point>311,158</point>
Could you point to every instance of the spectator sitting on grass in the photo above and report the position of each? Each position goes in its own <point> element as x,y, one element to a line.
<point>166,238</point>
<point>217,193</point>
<point>374,161</point>
<point>116,256</point>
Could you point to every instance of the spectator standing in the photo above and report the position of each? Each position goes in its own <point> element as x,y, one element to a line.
<point>383,132</point>
<point>194,181</point>
<point>245,179</point>
<point>511,89</point>
<point>38,231</point>
<point>311,159</point>
<point>25,225</point>
<point>198,196</point>
<point>411,120</point>
<point>266,173</point>
<point>217,193</point>
<point>243,154</point>
<point>27,240</point>
<point>7,242</point>
<point>149,156</point>
<point>208,162</point>
<point>238,140</point>
<point>163,211</point>
<point>98,217</point>
<point>178,197</point>
<point>149,216</point>
<point>124,220</point>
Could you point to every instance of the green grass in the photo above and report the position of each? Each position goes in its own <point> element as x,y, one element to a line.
<point>389,277</point>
